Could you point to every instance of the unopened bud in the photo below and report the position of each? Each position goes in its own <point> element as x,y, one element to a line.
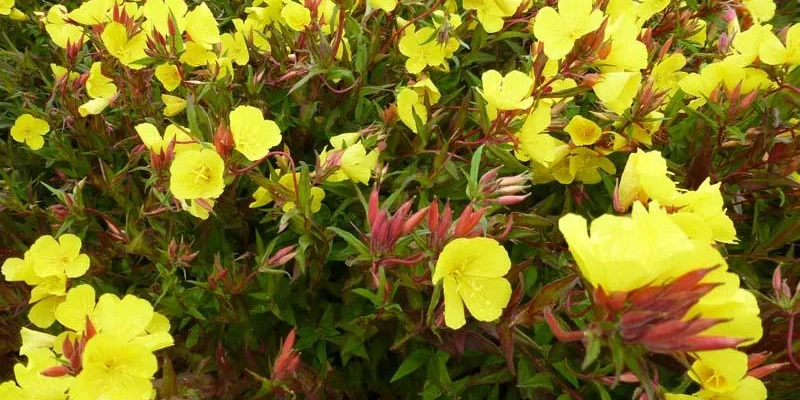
<point>57,371</point>
<point>223,140</point>
<point>414,220</point>
<point>282,256</point>
<point>512,200</point>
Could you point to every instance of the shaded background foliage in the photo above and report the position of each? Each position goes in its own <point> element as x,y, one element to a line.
<point>229,322</point>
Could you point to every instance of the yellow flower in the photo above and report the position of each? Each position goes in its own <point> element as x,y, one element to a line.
<point>169,76</point>
<point>58,258</point>
<point>172,105</point>
<point>773,52</point>
<point>196,55</point>
<point>197,174</point>
<point>722,374</point>
<point>32,340</point>
<point>582,131</point>
<point>617,89</point>
<point>582,165</point>
<point>42,314</point>
<point>32,384</point>
<point>510,92</point>
<point>702,214</point>
<point>760,10</point>
<point>234,48</point>
<point>126,50</point>
<point>59,72</point>
<point>158,12</point>
<point>534,143</point>
<point>560,29</point>
<point>422,49</point>
<point>20,269</point>
<point>385,5</point>
<point>626,253</point>
<point>30,130</point>
<point>91,12</point>
<point>667,73</point>
<point>157,144</point>
<point>94,106</point>
<point>202,27</point>
<point>296,16</point>
<point>472,271</point>
<point>99,85</point>
<point>62,33</point>
<point>357,164</point>
<point>746,45</point>
<point>7,5</point>
<point>492,12</point>
<point>252,134</point>
<point>197,209</point>
<point>627,54</point>
<point>113,368</point>
<point>645,177</point>
<point>700,36</point>
<point>736,307</point>
<point>262,196</point>
<point>410,108</point>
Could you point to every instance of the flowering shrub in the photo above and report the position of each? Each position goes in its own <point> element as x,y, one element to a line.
<point>569,199</point>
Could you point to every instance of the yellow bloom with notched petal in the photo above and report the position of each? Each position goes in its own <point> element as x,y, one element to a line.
<point>357,164</point>
<point>760,10</point>
<point>197,174</point>
<point>410,108</point>
<point>158,12</point>
<point>127,50</point>
<point>234,48</point>
<point>172,105</point>
<point>617,89</point>
<point>35,340</point>
<point>30,130</point>
<point>91,12</point>
<point>6,6</point>
<point>202,27</point>
<point>722,374</point>
<point>196,55</point>
<point>422,48</point>
<point>737,309</point>
<point>169,76</point>
<point>114,369</point>
<point>534,143</point>
<point>60,72</point>
<point>582,131</point>
<point>61,32</point>
<point>385,5</point>
<point>99,85</point>
<point>262,196</point>
<point>296,16</point>
<point>706,203</point>
<point>252,134</point>
<point>492,12</point>
<point>667,73</point>
<point>78,305</point>
<point>94,106</point>
<point>626,253</point>
<point>560,29</point>
<point>197,209</point>
<point>773,52</point>
<point>584,166</point>
<point>58,258</point>
<point>645,177</point>
<point>33,385</point>
<point>510,92</point>
<point>157,143</point>
<point>472,271</point>
<point>745,45</point>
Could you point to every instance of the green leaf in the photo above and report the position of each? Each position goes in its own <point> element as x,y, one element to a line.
<point>415,359</point>
<point>353,241</point>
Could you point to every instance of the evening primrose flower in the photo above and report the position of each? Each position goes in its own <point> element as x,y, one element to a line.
<point>737,309</point>
<point>492,12</point>
<point>157,143</point>
<point>410,108</point>
<point>197,174</point>
<point>357,164</point>
<point>33,385</point>
<point>99,85</point>
<point>582,131</point>
<point>6,6</point>
<point>202,27</point>
<point>559,30</point>
<point>30,130</point>
<point>472,271</point>
<point>617,89</point>
<point>667,73</point>
<point>296,16</point>
<point>113,368</point>
<point>169,76</point>
<point>645,177</point>
<point>534,143</point>
<point>60,72</point>
<point>385,5</point>
<point>126,50</point>
<point>582,165</point>
<point>252,134</point>
<point>773,52</point>
<point>157,14</point>
<point>94,106</point>
<point>630,252</point>
<point>702,214</point>
<point>722,374</point>
<point>423,49</point>
<point>503,93</point>
<point>262,196</point>
<point>58,258</point>
<point>173,105</point>
<point>760,10</point>
<point>234,47</point>
<point>61,32</point>
<point>745,45</point>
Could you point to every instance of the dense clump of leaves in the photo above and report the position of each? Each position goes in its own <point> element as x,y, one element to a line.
<point>348,144</point>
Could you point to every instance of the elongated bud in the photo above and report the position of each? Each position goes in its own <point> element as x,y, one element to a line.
<point>777,280</point>
<point>747,100</point>
<point>489,176</point>
<point>223,140</point>
<point>57,371</point>
<point>762,372</point>
<point>414,220</point>
<point>756,359</point>
<point>433,215</point>
<point>372,212</point>
<point>90,329</point>
<point>514,180</point>
<point>512,200</point>
<point>282,256</point>
<point>513,189</point>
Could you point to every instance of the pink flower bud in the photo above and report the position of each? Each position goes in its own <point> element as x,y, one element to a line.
<point>512,200</point>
